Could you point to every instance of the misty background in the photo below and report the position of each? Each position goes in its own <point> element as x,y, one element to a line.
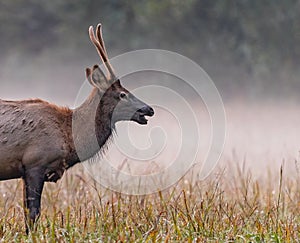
<point>249,48</point>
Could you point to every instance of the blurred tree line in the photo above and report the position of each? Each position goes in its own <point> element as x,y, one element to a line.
<point>235,41</point>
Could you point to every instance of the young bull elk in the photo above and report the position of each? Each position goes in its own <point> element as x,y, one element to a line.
<point>37,140</point>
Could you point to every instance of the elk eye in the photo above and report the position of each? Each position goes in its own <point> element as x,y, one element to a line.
<point>123,95</point>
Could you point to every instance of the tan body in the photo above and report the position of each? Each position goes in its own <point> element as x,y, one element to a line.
<point>34,133</point>
<point>37,139</point>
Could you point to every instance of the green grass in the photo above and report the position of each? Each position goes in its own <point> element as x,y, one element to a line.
<point>226,207</point>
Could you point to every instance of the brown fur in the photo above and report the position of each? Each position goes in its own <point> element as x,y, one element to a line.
<point>40,140</point>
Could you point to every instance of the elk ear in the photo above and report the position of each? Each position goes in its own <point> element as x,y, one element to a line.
<point>99,79</point>
<point>88,75</point>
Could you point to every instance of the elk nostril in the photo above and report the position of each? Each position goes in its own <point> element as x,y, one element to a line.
<point>147,110</point>
<point>151,111</point>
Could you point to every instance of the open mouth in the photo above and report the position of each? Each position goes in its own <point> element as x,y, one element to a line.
<point>139,116</point>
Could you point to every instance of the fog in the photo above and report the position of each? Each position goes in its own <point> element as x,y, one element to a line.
<point>254,67</point>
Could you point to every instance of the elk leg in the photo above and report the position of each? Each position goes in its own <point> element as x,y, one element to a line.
<point>33,183</point>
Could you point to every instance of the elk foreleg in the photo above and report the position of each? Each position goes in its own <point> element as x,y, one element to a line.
<point>33,183</point>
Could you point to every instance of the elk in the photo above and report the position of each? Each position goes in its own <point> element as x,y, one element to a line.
<point>37,140</point>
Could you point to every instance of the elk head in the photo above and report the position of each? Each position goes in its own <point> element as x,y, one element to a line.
<point>116,101</point>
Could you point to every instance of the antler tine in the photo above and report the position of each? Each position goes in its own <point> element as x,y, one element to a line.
<point>100,38</point>
<point>101,41</point>
<point>97,45</point>
<point>101,52</point>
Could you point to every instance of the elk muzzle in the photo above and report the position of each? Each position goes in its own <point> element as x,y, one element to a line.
<point>132,109</point>
<point>139,115</point>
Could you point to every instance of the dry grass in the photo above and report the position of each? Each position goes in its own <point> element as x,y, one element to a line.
<point>223,208</point>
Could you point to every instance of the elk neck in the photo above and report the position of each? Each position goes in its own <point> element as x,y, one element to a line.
<point>91,126</point>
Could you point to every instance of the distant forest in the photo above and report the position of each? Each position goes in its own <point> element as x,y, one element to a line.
<point>245,43</point>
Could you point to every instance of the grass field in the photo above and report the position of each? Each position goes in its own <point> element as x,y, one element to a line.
<point>252,196</point>
<point>215,210</point>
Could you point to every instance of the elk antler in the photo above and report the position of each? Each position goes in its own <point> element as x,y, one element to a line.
<point>100,47</point>
<point>100,38</point>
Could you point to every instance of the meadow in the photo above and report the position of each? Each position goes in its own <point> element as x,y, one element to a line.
<point>251,51</point>
<point>252,195</point>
